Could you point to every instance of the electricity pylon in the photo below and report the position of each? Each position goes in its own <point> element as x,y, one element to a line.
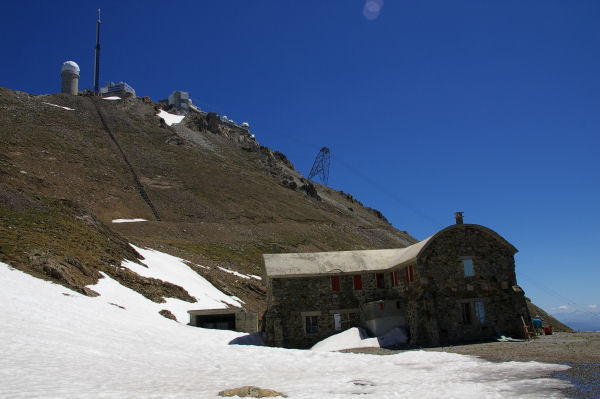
<point>321,166</point>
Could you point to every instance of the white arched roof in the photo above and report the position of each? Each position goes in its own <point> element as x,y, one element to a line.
<point>339,262</point>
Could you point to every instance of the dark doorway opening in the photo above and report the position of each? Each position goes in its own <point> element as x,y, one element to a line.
<point>216,321</point>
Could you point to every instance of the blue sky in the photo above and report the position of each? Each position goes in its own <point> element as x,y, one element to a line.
<point>428,106</point>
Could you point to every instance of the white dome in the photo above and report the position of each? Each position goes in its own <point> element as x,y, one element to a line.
<point>70,66</point>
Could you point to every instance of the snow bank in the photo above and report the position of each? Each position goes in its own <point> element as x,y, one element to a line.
<point>59,106</point>
<point>351,338</point>
<point>358,338</point>
<point>58,343</point>
<point>128,220</point>
<point>170,119</point>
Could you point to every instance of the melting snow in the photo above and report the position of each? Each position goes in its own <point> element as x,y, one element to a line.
<point>60,106</point>
<point>234,273</point>
<point>170,119</point>
<point>58,343</point>
<point>112,98</point>
<point>128,220</point>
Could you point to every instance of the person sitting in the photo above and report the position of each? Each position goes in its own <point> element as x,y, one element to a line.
<point>538,326</point>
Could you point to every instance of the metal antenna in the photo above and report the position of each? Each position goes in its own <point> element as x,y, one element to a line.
<point>97,53</point>
<point>321,166</point>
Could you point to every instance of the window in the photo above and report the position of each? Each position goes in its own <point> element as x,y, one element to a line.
<point>468,266</point>
<point>344,319</point>
<point>467,315</point>
<point>394,278</point>
<point>337,322</point>
<point>479,311</point>
<point>312,324</point>
<point>380,280</point>
<point>409,274</point>
<point>472,312</point>
<point>358,282</point>
<point>335,283</point>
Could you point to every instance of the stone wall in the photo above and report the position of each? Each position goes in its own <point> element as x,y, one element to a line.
<point>443,287</point>
<point>290,300</point>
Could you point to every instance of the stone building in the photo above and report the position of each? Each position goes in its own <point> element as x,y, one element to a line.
<point>457,285</point>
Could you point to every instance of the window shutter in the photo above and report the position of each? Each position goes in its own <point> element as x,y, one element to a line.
<point>335,283</point>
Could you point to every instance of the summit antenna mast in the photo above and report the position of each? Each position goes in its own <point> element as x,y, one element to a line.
<point>97,58</point>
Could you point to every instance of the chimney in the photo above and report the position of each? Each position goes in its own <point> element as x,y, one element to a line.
<point>459,217</point>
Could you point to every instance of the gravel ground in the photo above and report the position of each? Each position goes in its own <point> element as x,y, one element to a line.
<point>579,350</point>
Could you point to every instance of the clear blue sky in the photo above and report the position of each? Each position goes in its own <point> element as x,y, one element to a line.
<point>429,106</point>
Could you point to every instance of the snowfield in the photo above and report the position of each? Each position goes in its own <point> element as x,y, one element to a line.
<point>58,343</point>
<point>170,119</point>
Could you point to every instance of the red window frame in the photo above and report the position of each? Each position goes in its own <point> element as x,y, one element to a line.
<point>357,280</point>
<point>380,280</point>
<point>335,283</point>
<point>409,274</point>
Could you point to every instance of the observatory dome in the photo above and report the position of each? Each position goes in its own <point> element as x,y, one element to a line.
<point>70,66</point>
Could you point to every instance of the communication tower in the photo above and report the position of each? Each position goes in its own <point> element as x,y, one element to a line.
<point>97,56</point>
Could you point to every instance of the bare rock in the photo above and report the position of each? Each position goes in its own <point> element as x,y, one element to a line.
<point>167,313</point>
<point>252,392</point>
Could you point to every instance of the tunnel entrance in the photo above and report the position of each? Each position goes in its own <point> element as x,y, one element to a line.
<point>216,321</point>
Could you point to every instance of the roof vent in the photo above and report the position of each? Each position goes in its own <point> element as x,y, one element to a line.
<point>459,217</point>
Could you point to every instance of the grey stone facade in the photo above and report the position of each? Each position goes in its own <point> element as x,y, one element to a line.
<point>458,285</point>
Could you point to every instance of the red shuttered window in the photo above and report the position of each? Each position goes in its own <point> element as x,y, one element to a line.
<point>358,282</point>
<point>335,283</point>
<point>409,274</point>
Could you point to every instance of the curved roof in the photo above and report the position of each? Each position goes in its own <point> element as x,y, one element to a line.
<point>70,66</point>
<point>339,262</point>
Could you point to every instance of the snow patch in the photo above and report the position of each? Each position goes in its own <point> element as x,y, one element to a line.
<point>351,338</point>
<point>111,98</point>
<point>169,268</point>
<point>234,273</point>
<point>59,106</point>
<point>128,220</point>
<point>170,119</point>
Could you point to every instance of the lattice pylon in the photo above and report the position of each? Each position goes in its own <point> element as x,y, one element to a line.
<point>321,166</point>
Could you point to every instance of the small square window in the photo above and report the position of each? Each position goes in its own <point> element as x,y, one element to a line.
<point>468,267</point>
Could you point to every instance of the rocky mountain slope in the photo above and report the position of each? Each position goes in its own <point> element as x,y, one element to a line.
<point>210,193</point>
